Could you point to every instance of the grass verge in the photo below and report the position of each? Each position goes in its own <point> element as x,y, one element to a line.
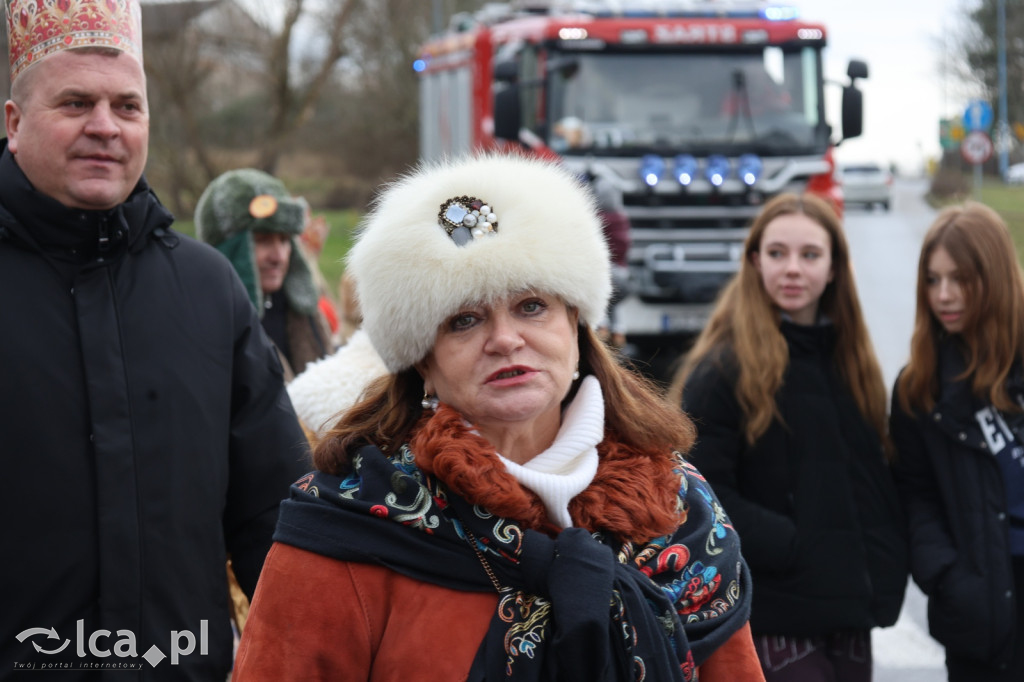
<point>1008,201</point>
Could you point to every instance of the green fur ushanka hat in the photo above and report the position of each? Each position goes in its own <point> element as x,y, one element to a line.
<point>247,200</point>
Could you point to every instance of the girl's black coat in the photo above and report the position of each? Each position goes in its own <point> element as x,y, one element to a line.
<point>813,499</point>
<point>955,499</point>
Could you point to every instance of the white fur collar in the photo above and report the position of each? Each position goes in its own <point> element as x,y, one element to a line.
<point>333,384</point>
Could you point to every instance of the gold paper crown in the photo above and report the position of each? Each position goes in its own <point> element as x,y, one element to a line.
<point>39,28</point>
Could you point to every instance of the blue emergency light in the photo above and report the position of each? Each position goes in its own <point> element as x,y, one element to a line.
<point>652,167</point>
<point>780,13</point>
<point>749,168</point>
<point>686,8</point>
<point>684,169</point>
<point>717,169</point>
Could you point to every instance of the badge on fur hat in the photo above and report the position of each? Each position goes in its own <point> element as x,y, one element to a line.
<point>467,218</point>
<point>262,206</point>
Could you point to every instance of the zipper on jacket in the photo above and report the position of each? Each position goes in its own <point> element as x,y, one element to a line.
<point>111,230</point>
<point>103,241</point>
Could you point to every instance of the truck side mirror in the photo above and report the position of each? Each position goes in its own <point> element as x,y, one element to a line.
<point>853,112</point>
<point>856,69</point>
<point>506,112</point>
<point>853,100</point>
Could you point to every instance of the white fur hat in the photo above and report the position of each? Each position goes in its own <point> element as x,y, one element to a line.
<point>411,275</point>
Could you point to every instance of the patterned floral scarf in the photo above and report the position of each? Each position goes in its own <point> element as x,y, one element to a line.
<point>578,605</point>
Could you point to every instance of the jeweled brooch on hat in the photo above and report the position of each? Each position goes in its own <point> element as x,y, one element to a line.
<point>467,218</point>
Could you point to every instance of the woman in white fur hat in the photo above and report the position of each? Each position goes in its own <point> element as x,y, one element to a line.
<point>509,501</point>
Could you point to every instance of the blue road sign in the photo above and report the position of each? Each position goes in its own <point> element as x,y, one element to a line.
<point>978,115</point>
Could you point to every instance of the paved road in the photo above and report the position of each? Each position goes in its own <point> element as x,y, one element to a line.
<point>884,248</point>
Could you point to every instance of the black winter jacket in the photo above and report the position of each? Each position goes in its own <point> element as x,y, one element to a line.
<point>953,491</point>
<point>145,434</point>
<point>813,500</point>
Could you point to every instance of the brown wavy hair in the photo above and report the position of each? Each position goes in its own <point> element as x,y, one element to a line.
<point>979,243</point>
<point>746,321</point>
<point>636,415</point>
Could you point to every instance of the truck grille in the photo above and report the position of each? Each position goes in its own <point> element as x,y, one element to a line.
<point>679,199</point>
<point>687,222</point>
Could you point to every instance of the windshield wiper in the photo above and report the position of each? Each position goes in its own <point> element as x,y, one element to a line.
<point>740,105</point>
<point>778,139</point>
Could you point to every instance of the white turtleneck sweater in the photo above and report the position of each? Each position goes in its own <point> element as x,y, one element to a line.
<point>567,467</point>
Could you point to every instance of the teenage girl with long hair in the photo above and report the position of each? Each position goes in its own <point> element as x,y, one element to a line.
<point>958,426</point>
<point>790,408</point>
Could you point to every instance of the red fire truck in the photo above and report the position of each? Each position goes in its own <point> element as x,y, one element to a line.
<point>691,112</point>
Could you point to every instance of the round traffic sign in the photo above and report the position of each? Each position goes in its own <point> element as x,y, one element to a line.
<point>976,147</point>
<point>978,115</point>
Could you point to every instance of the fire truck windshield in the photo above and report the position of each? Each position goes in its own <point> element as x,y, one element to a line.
<point>766,101</point>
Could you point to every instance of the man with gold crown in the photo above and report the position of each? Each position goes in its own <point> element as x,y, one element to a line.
<point>145,432</point>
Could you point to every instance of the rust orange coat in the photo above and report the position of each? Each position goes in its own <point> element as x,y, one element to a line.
<point>318,618</point>
<point>315,618</point>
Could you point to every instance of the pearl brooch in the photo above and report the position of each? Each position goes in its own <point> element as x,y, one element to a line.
<point>467,218</point>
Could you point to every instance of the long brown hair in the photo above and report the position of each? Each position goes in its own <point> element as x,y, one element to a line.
<point>979,243</point>
<point>636,414</point>
<point>746,321</point>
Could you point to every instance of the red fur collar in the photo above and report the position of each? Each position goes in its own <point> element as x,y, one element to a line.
<point>446,448</point>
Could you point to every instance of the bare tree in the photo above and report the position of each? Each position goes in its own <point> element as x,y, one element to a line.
<point>294,97</point>
<point>375,124</point>
<point>978,47</point>
<point>383,128</point>
<point>175,74</point>
<point>322,89</point>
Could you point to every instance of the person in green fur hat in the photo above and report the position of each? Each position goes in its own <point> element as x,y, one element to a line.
<point>251,218</point>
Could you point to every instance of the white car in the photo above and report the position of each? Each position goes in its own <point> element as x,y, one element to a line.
<point>1015,174</point>
<point>867,184</point>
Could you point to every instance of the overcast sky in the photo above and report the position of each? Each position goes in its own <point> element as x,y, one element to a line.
<point>906,93</point>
